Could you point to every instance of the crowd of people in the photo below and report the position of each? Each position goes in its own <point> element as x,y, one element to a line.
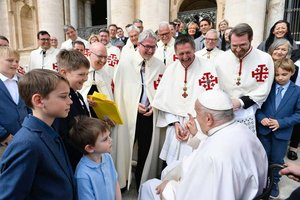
<point>201,107</point>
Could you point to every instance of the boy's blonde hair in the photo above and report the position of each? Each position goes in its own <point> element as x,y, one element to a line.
<point>285,64</point>
<point>6,52</point>
<point>39,81</point>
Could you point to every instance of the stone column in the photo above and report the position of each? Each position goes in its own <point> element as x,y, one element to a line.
<point>275,13</point>
<point>252,12</point>
<point>74,13</point>
<point>87,13</point>
<point>122,12</point>
<point>153,12</point>
<point>51,18</point>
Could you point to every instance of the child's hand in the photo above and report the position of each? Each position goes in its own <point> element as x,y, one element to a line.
<point>273,124</point>
<point>265,122</point>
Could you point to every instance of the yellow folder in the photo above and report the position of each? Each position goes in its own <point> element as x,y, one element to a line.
<point>105,108</point>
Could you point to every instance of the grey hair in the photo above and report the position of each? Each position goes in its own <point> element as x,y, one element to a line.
<point>213,31</point>
<point>147,34</point>
<point>66,27</point>
<point>163,24</point>
<point>132,28</point>
<point>219,115</point>
<point>280,42</point>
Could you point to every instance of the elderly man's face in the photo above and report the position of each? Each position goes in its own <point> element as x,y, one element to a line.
<point>164,34</point>
<point>185,54</point>
<point>147,48</point>
<point>98,56</point>
<point>240,45</point>
<point>134,37</point>
<point>211,40</point>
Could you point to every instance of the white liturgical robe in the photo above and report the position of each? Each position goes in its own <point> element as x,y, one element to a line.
<point>173,105</point>
<point>68,43</point>
<point>209,55</point>
<point>127,89</point>
<point>113,57</point>
<point>166,53</point>
<point>230,164</point>
<point>255,80</point>
<point>40,59</point>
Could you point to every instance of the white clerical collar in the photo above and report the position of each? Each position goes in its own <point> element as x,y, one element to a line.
<point>216,129</point>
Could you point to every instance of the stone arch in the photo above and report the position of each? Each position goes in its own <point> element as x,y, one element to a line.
<point>27,26</point>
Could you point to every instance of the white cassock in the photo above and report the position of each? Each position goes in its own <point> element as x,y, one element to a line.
<point>102,81</point>
<point>68,43</point>
<point>230,164</point>
<point>208,55</point>
<point>113,57</point>
<point>43,60</point>
<point>166,53</point>
<point>127,91</point>
<point>173,106</point>
<point>128,48</point>
<point>257,75</point>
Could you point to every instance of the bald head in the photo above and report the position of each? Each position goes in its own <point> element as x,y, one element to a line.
<point>98,55</point>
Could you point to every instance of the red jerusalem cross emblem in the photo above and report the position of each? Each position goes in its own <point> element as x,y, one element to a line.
<point>174,57</point>
<point>260,73</point>
<point>156,83</point>
<point>208,81</point>
<point>112,60</point>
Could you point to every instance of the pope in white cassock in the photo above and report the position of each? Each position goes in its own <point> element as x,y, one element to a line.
<point>98,79</point>
<point>246,74</point>
<point>136,80</point>
<point>230,163</point>
<point>181,84</point>
<point>165,47</point>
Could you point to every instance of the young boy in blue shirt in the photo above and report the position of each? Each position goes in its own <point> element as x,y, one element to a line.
<point>35,164</point>
<point>277,116</point>
<point>95,174</point>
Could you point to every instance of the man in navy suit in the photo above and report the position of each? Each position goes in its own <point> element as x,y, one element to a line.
<point>277,116</point>
<point>35,164</point>
<point>12,108</point>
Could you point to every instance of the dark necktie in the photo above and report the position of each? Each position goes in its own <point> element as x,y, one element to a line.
<point>278,97</point>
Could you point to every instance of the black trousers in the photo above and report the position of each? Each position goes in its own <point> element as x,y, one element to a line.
<point>295,139</point>
<point>143,135</point>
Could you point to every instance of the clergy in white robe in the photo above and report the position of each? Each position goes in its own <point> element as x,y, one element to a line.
<point>45,56</point>
<point>135,82</point>
<point>211,51</point>
<point>113,52</point>
<point>181,84</point>
<point>72,35</point>
<point>165,47</point>
<point>230,164</point>
<point>131,45</point>
<point>98,79</point>
<point>246,74</point>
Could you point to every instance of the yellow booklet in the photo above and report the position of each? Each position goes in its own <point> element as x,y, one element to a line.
<point>105,108</point>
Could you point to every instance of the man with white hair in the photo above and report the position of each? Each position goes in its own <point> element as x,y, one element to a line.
<point>131,45</point>
<point>136,80</point>
<point>165,47</point>
<point>230,163</point>
<point>211,51</point>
